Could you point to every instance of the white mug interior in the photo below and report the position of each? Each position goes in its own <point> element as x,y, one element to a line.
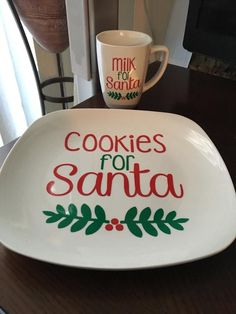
<point>124,38</point>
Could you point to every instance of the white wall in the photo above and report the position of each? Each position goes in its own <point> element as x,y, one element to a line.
<point>164,20</point>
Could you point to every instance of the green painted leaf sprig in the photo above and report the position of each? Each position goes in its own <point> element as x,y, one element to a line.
<point>78,222</point>
<point>151,226</point>
<point>114,95</point>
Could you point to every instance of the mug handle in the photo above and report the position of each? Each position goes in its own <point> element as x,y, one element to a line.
<point>161,68</point>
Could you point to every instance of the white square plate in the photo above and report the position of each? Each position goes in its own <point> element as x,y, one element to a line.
<point>116,189</point>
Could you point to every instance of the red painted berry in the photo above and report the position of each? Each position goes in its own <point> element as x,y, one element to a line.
<point>109,227</point>
<point>114,221</point>
<point>119,227</point>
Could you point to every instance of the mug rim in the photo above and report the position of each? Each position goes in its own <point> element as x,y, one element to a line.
<point>99,38</point>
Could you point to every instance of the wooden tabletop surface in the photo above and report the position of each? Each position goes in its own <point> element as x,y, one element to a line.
<point>206,286</point>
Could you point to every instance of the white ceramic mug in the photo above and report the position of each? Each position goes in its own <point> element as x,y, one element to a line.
<point>123,57</point>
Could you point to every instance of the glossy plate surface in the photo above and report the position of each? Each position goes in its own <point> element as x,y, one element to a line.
<point>116,189</point>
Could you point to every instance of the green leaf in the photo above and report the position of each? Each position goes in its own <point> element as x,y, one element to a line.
<point>161,225</point>
<point>72,210</point>
<point>131,214</point>
<point>182,220</point>
<point>158,215</point>
<point>60,209</point>
<point>170,216</point>
<point>176,225</point>
<point>65,222</point>
<point>145,214</point>
<point>100,213</point>
<point>53,218</point>
<point>86,211</point>
<point>48,213</point>
<point>148,227</point>
<point>94,227</point>
<point>134,228</point>
<point>78,225</point>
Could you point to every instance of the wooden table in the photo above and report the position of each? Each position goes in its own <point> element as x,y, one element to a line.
<point>204,287</point>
